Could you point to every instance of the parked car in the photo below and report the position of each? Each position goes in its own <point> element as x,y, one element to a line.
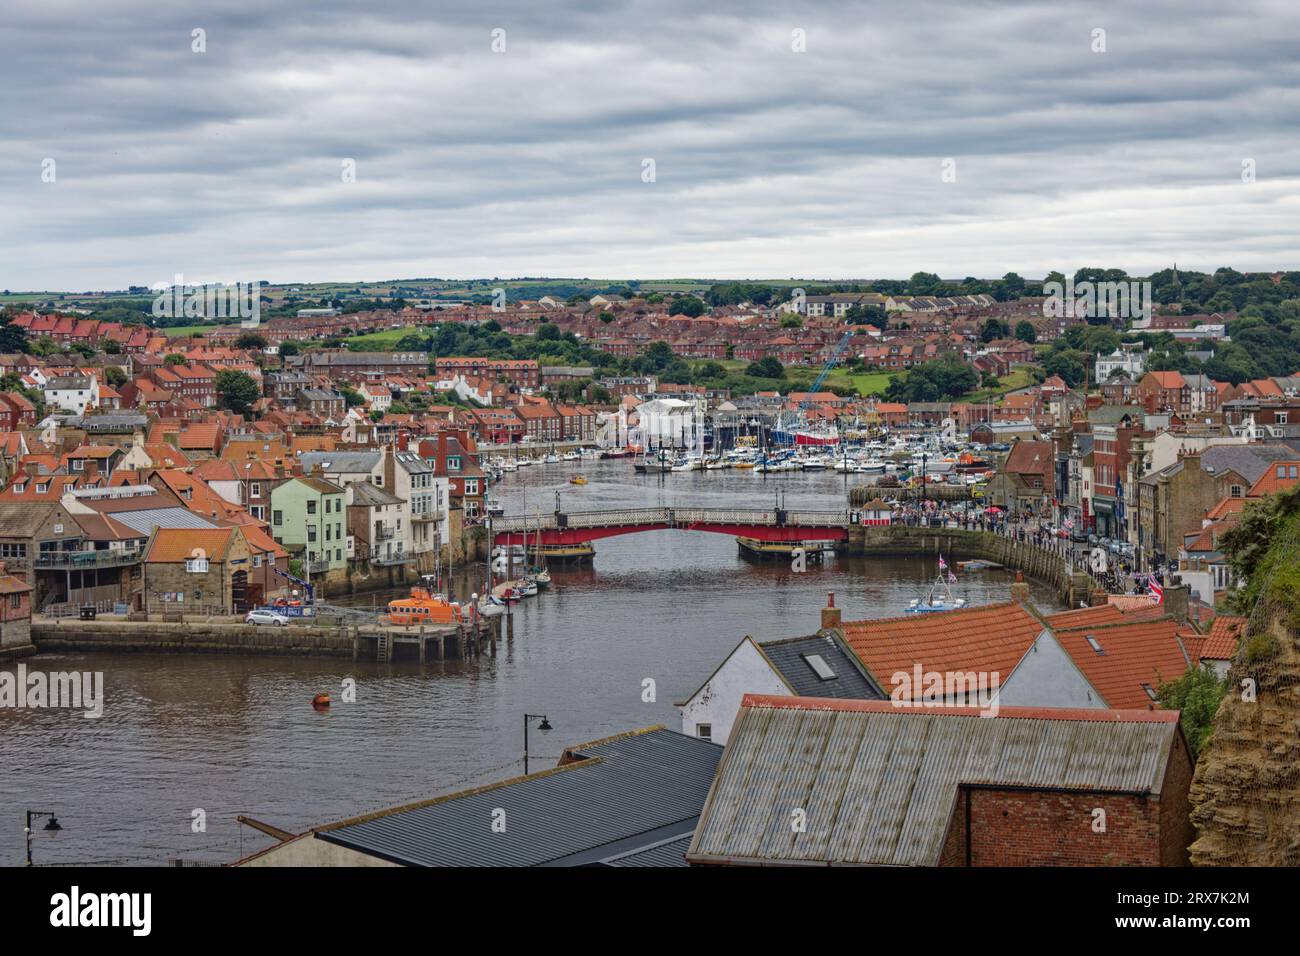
<point>265,617</point>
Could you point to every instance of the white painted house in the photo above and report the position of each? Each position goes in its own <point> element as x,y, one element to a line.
<point>72,393</point>
<point>816,666</point>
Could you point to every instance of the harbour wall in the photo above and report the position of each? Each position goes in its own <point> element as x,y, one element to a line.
<point>353,643</point>
<point>958,543</point>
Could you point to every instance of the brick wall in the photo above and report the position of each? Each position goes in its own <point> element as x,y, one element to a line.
<point>1055,828</point>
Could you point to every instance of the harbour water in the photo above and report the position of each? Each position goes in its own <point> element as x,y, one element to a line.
<point>229,735</point>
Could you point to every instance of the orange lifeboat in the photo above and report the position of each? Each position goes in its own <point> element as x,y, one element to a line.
<point>422,608</point>
<point>321,701</point>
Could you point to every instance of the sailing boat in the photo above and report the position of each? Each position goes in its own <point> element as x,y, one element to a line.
<point>538,573</point>
<point>940,596</point>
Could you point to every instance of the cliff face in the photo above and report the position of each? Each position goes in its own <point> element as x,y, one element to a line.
<point>1245,795</point>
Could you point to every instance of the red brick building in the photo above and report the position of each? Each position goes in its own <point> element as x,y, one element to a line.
<point>522,373</point>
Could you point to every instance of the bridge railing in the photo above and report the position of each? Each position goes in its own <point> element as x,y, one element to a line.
<point>670,516</point>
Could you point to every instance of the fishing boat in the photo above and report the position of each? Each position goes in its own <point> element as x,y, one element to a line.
<point>939,597</point>
<point>491,606</point>
<point>423,607</point>
<point>578,480</point>
<point>528,587</point>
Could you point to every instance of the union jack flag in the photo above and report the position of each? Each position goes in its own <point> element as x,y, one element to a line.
<point>1157,589</point>
<point>942,565</point>
<point>952,578</point>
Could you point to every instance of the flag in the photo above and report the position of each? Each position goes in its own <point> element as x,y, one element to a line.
<point>942,565</point>
<point>1157,590</point>
<point>952,578</point>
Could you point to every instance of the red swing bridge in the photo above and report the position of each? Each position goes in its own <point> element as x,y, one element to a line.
<point>561,529</point>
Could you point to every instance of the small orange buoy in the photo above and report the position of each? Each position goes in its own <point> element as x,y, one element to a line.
<point>321,701</point>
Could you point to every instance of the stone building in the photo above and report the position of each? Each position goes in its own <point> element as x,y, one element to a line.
<point>197,571</point>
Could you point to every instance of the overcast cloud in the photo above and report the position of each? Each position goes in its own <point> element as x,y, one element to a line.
<point>769,163</point>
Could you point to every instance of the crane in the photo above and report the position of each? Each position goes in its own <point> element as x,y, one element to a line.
<point>826,369</point>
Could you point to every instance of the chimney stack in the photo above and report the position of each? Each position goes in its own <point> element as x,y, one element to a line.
<point>830,613</point>
<point>1020,589</point>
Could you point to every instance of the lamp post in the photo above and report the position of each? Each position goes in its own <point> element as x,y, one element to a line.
<point>51,826</point>
<point>544,728</point>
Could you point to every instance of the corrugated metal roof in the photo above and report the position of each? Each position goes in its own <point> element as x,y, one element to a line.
<point>878,784</point>
<point>145,521</point>
<point>622,794</point>
<point>668,853</point>
<point>791,659</point>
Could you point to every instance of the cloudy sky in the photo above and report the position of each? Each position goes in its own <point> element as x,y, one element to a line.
<point>768,162</point>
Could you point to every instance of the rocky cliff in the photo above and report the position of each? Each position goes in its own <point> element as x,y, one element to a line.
<point>1246,792</point>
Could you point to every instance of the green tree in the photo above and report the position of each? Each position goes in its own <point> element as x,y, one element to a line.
<point>1025,331</point>
<point>237,391</point>
<point>175,358</point>
<point>114,376</point>
<point>687,305</point>
<point>769,367</point>
<point>250,340</point>
<point>1196,695</point>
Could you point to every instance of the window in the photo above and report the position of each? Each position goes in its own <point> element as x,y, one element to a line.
<point>311,532</point>
<point>704,731</point>
<point>819,666</point>
<point>78,464</point>
<point>255,490</point>
<point>196,565</point>
<point>1092,642</point>
<point>257,560</point>
<point>15,601</point>
<point>13,550</point>
<point>1235,491</point>
<point>1281,471</point>
<point>1150,691</point>
<point>277,517</point>
<point>311,507</point>
<point>453,463</point>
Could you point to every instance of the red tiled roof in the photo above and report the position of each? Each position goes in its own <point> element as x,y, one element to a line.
<point>1086,616</point>
<point>172,545</point>
<point>993,637</point>
<point>1132,654</point>
<point>1221,644</point>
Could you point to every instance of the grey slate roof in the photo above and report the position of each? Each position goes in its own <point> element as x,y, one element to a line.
<point>622,794</point>
<point>1249,461</point>
<point>339,462</point>
<point>369,496</point>
<point>790,658</point>
<point>878,784</point>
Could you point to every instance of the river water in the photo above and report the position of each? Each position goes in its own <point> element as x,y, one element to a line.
<point>186,739</point>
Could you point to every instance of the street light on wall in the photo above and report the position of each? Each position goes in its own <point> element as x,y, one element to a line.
<point>543,728</point>
<point>51,826</point>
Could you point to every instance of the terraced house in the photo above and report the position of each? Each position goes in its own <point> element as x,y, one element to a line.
<point>309,517</point>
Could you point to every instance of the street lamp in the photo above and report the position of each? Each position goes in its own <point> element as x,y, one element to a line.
<point>544,728</point>
<point>51,826</point>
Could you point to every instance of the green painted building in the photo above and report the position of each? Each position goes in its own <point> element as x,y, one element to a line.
<point>309,518</point>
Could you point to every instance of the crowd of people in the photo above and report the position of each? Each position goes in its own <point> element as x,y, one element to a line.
<point>1118,576</point>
